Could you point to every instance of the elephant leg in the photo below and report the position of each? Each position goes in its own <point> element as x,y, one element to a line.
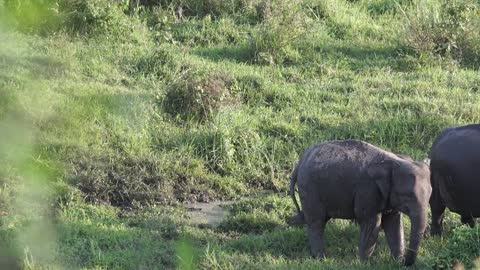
<point>369,229</point>
<point>393,227</point>
<point>437,205</point>
<point>315,237</point>
<point>315,218</point>
<point>470,221</point>
<point>438,212</point>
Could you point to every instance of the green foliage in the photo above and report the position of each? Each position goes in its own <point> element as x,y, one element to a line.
<point>448,29</point>
<point>283,24</point>
<point>95,237</point>
<point>97,16</point>
<point>33,16</point>
<point>162,63</point>
<point>208,32</point>
<point>462,247</point>
<point>343,20</point>
<point>380,7</point>
<point>244,10</point>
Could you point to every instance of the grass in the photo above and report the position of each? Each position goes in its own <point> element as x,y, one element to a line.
<point>113,115</point>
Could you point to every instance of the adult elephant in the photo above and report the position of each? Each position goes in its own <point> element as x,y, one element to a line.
<point>356,180</point>
<point>455,175</point>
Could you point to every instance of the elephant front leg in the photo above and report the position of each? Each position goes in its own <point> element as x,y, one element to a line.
<point>369,229</point>
<point>315,237</point>
<point>393,227</point>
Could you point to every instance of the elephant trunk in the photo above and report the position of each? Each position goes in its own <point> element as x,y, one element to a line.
<point>418,220</point>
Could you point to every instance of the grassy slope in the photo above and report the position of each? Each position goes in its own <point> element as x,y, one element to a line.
<point>95,107</point>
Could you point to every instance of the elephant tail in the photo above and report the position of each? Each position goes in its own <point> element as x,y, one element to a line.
<point>300,218</point>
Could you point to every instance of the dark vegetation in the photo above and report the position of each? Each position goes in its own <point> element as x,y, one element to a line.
<point>113,113</point>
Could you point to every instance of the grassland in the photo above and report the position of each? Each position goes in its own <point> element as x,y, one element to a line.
<point>114,114</point>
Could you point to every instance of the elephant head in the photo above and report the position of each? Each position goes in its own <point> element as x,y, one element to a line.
<point>405,186</point>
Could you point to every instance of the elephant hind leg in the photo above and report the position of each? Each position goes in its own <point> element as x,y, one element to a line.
<point>315,216</point>
<point>316,231</point>
<point>369,229</point>
<point>437,205</point>
<point>393,227</point>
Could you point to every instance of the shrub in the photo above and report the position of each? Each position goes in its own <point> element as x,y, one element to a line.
<point>449,29</point>
<point>283,24</point>
<point>199,95</point>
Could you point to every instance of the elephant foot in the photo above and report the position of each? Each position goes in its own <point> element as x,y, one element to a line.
<point>436,230</point>
<point>470,221</point>
<point>436,233</point>
<point>319,256</point>
<point>410,258</point>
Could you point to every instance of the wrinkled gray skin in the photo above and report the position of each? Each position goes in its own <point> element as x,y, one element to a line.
<point>355,180</point>
<point>455,167</point>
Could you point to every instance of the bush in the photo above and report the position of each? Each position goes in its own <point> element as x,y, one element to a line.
<point>463,247</point>
<point>199,95</point>
<point>449,29</point>
<point>283,24</point>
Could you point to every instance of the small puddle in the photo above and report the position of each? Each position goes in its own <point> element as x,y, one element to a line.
<point>211,213</point>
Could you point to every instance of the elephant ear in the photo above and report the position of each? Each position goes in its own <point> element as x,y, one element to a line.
<point>381,173</point>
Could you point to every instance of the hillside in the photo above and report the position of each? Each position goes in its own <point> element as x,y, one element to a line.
<point>116,113</point>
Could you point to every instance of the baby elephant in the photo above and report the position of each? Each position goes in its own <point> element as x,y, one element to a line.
<point>355,180</point>
<point>455,166</point>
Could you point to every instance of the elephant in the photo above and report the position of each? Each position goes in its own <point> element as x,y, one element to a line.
<point>455,169</point>
<point>352,179</point>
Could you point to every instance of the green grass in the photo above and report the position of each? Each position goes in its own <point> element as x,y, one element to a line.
<point>114,115</point>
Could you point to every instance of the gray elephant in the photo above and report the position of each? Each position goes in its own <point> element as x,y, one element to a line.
<point>455,167</point>
<point>355,180</point>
